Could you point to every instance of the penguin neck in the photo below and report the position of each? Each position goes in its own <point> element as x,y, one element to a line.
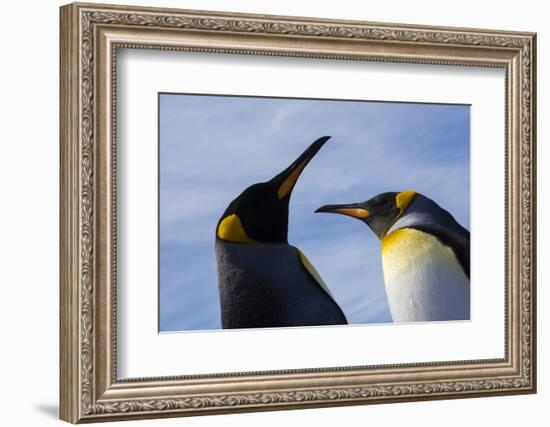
<point>253,245</point>
<point>230,229</point>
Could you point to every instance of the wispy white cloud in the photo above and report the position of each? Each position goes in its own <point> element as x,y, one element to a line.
<point>282,115</point>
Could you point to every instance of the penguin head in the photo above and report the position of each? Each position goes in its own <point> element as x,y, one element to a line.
<point>260,213</point>
<point>379,213</point>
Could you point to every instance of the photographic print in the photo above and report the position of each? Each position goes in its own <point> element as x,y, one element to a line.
<point>245,185</point>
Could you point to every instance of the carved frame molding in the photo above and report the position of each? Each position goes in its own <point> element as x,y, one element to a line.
<point>90,37</point>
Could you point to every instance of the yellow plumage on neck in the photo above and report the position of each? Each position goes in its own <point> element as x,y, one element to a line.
<point>231,229</point>
<point>402,249</point>
<point>311,269</point>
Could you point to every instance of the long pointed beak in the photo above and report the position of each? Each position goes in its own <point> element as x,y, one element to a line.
<point>290,175</point>
<point>355,210</point>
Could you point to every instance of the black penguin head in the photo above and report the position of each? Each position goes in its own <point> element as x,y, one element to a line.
<point>260,213</point>
<point>379,213</point>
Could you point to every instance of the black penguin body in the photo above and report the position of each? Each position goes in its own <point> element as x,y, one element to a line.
<point>267,285</point>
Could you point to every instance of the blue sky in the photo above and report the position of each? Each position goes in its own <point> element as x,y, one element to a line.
<point>213,147</point>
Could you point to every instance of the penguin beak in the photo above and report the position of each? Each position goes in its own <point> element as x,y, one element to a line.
<point>355,210</point>
<point>287,178</point>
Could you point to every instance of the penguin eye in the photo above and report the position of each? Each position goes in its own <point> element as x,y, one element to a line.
<point>379,201</point>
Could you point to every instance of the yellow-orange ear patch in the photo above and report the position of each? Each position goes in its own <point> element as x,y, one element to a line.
<point>231,229</point>
<point>404,199</point>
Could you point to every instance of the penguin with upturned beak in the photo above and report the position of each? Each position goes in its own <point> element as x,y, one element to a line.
<point>425,255</point>
<point>263,281</point>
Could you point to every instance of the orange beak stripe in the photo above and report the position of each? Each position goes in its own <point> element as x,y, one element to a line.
<point>288,184</point>
<point>354,212</point>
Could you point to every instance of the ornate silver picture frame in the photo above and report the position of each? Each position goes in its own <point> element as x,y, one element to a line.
<point>91,37</point>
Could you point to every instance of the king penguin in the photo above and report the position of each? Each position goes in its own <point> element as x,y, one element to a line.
<point>425,255</point>
<point>263,281</point>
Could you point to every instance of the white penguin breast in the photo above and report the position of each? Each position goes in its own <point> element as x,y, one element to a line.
<point>423,279</point>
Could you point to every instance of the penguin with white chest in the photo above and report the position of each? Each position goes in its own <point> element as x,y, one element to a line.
<point>425,255</point>
<point>263,281</point>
